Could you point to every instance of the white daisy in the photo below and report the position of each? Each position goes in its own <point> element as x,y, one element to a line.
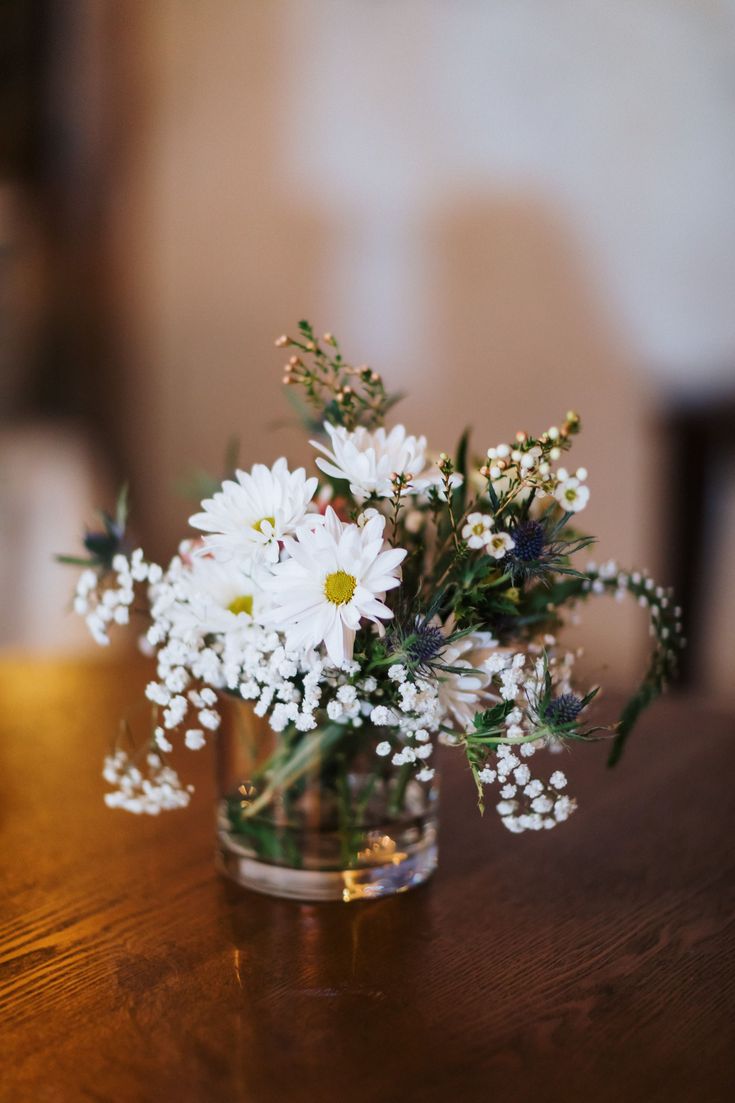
<point>367,460</point>
<point>335,577</point>
<point>218,597</point>
<point>571,495</point>
<point>499,544</point>
<point>476,530</point>
<point>462,695</point>
<point>249,517</point>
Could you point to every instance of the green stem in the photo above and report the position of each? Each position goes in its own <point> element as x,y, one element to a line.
<point>399,793</point>
<point>346,815</point>
<point>313,749</point>
<point>362,803</point>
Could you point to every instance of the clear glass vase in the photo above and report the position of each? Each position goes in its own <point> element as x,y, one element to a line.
<point>319,815</point>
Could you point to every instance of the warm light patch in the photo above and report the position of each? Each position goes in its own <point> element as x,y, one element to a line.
<point>242,604</point>
<point>339,587</point>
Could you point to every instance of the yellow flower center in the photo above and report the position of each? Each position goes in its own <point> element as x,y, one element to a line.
<point>478,529</point>
<point>339,587</point>
<point>570,494</point>
<point>242,604</point>
<point>258,526</point>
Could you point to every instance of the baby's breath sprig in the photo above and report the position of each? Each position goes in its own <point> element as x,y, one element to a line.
<point>490,734</point>
<point>665,627</point>
<point>342,394</point>
<point>546,717</point>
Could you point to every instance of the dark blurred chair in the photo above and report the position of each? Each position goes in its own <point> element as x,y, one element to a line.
<point>700,442</point>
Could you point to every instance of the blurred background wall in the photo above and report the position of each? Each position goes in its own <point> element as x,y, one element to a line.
<point>508,208</point>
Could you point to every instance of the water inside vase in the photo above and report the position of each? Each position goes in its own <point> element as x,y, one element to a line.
<point>350,826</point>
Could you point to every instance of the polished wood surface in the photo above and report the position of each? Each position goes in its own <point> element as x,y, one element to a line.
<point>591,962</point>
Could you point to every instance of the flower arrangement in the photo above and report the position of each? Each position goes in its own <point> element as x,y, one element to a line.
<point>393,602</point>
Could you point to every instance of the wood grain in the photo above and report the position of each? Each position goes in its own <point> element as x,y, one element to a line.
<point>593,962</point>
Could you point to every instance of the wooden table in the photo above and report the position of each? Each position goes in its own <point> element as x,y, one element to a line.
<point>592,962</point>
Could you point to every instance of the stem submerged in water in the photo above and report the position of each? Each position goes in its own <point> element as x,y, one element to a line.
<point>398,796</point>
<point>345,813</point>
<point>319,800</point>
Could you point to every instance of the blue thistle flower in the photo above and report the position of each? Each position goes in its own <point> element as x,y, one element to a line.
<point>529,537</point>
<point>427,644</point>
<point>103,546</point>
<point>563,709</point>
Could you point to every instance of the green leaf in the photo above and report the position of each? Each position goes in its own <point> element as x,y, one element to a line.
<point>493,717</point>
<point>459,496</point>
<point>74,561</point>
<point>232,454</point>
<point>122,507</point>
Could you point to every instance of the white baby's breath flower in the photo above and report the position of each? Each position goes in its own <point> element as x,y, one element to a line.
<point>347,695</point>
<point>210,719</point>
<point>335,578</point>
<point>507,763</point>
<point>249,517</point>
<point>368,460</point>
<point>157,693</point>
<point>159,738</point>
<point>160,791</point>
<point>382,716</point>
<point>335,709</point>
<point>88,578</point>
<point>194,739</point>
<point>563,808</point>
<point>522,775</point>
